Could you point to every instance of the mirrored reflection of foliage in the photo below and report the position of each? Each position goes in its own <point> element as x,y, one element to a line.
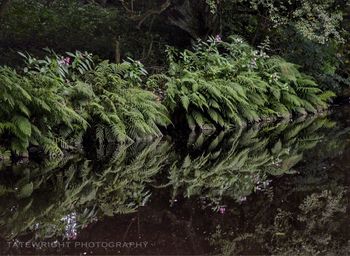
<point>59,199</point>
<point>49,199</point>
<point>236,164</point>
<point>318,225</point>
<point>305,214</point>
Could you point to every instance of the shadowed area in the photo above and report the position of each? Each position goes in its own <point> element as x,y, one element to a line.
<point>270,189</point>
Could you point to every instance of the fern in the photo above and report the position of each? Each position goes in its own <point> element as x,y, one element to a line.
<point>124,109</point>
<point>230,84</point>
<point>34,111</point>
<point>56,101</point>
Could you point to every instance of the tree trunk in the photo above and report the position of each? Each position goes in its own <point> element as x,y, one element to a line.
<point>194,17</point>
<point>3,6</point>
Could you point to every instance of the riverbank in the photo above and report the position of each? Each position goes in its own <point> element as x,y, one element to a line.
<point>63,102</point>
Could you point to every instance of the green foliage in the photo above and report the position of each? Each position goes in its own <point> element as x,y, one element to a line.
<point>229,83</point>
<point>60,25</point>
<point>4,154</point>
<point>310,33</point>
<point>302,31</point>
<point>68,68</point>
<point>67,25</point>
<point>34,112</point>
<point>325,62</point>
<point>121,109</point>
<point>318,21</point>
<point>55,100</point>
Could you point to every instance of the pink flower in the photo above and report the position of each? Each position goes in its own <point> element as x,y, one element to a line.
<point>66,60</point>
<point>222,210</point>
<point>218,39</point>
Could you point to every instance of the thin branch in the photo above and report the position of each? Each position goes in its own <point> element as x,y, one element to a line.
<point>152,12</point>
<point>141,18</point>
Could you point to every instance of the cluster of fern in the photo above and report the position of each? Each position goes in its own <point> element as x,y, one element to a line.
<point>34,111</point>
<point>118,108</point>
<point>55,101</point>
<point>225,84</point>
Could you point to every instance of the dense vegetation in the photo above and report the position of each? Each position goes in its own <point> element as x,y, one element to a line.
<point>56,100</point>
<point>229,83</point>
<point>120,180</point>
<point>97,97</point>
<point>231,63</point>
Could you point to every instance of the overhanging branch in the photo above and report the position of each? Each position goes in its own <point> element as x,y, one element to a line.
<point>141,18</point>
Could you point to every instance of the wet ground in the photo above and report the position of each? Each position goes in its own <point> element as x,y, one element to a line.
<point>280,189</point>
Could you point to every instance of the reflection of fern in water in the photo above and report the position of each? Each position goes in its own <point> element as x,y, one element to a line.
<point>317,201</point>
<point>42,199</point>
<point>31,201</point>
<point>124,179</point>
<point>5,156</point>
<point>321,219</point>
<point>233,165</point>
<point>245,160</point>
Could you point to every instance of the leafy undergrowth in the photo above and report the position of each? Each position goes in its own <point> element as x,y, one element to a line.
<point>58,102</point>
<point>55,101</point>
<point>224,84</point>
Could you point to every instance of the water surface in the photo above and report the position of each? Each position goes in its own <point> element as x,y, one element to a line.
<point>277,189</point>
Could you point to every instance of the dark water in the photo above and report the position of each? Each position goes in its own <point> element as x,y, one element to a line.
<point>280,189</point>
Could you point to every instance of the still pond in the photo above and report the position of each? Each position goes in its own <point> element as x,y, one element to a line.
<point>280,189</point>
